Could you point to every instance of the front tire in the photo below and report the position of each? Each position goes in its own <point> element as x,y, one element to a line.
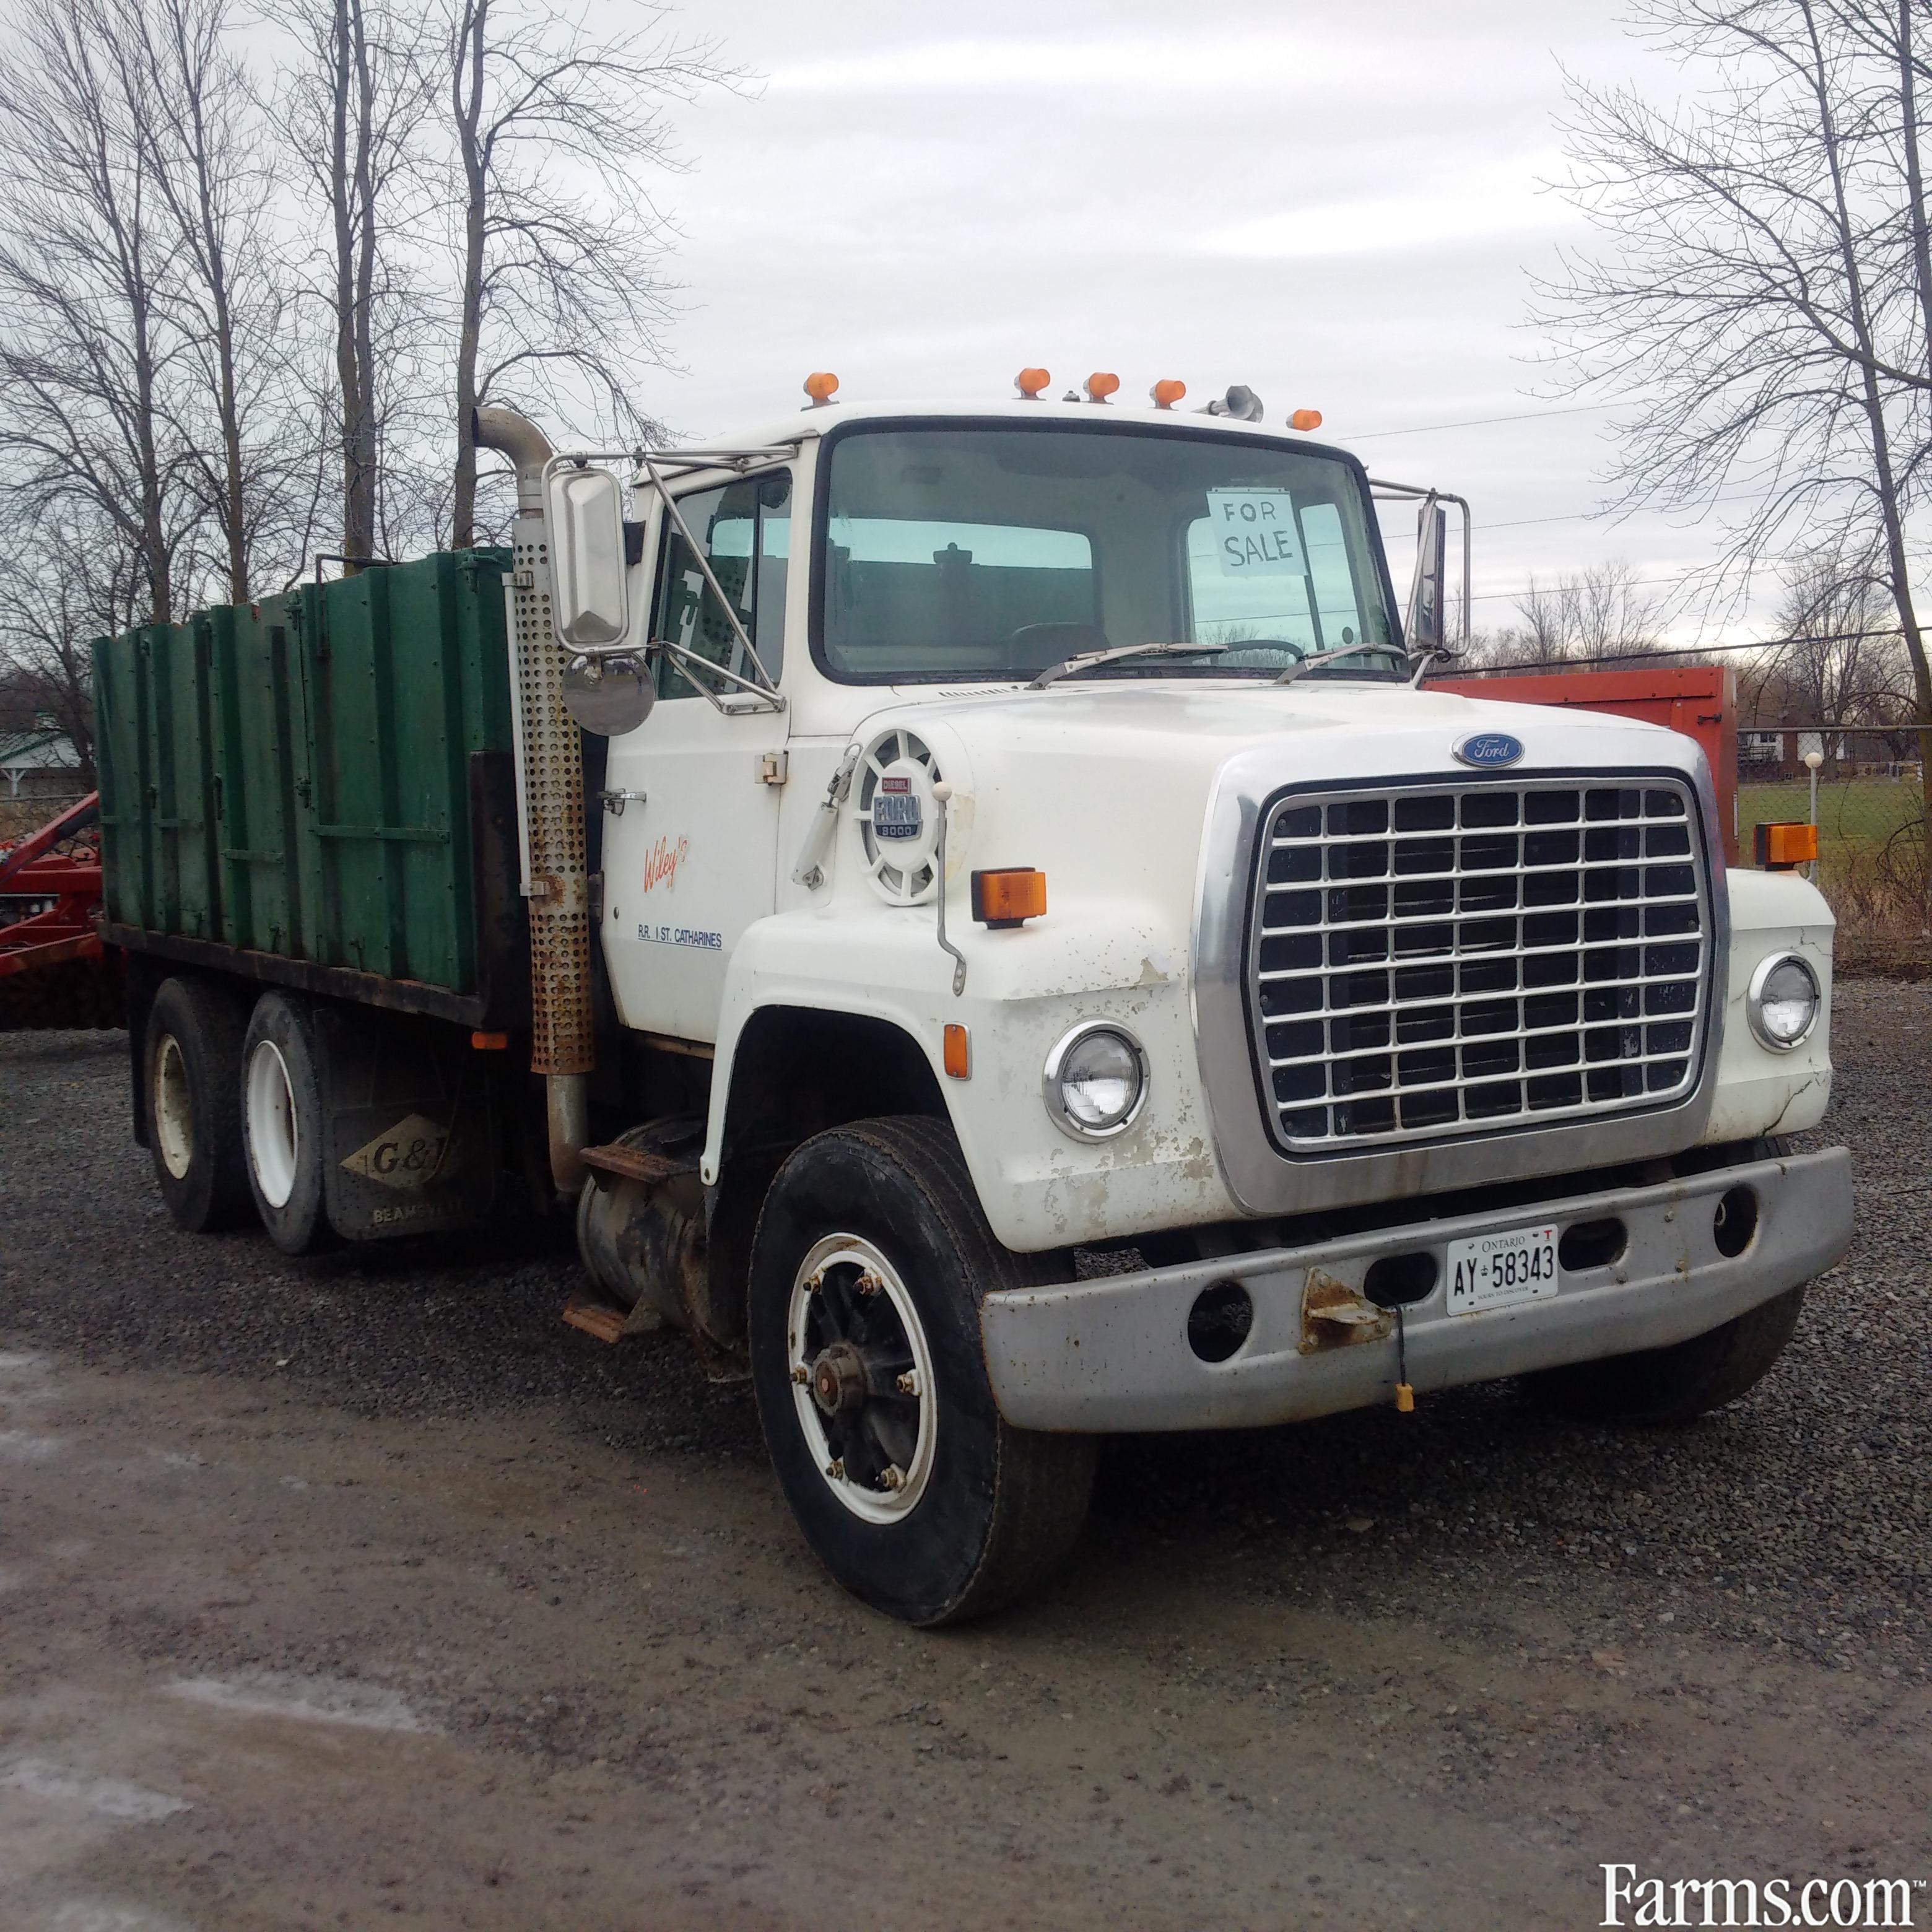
<point>1657,1387</point>
<point>870,1259</point>
<point>284,1126</point>
<point>1681,1383</point>
<point>193,1046</point>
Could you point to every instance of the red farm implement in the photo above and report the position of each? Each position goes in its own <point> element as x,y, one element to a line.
<point>54,971</point>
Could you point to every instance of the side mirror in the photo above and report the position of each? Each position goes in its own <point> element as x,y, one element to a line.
<point>585,511</point>
<point>1428,595</point>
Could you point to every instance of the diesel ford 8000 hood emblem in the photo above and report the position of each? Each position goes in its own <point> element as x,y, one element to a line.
<point>1489,750</point>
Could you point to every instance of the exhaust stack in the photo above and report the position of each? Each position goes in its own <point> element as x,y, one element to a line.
<point>550,782</point>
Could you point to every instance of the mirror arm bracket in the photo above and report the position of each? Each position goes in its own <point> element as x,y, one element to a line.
<point>763,697</point>
<point>766,686</point>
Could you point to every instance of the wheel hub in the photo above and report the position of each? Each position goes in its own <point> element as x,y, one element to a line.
<point>862,1377</point>
<point>838,1382</point>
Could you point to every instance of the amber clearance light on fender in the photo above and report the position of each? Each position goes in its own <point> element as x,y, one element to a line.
<point>1009,897</point>
<point>1779,847</point>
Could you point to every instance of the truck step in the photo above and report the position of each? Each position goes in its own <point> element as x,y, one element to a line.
<point>595,1318</point>
<point>630,1163</point>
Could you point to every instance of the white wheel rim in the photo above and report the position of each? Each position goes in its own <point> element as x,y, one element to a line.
<point>876,1456</point>
<point>274,1138</point>
<point>174,1109</point>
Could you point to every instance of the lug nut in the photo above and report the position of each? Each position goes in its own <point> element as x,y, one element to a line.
<point>836,1469</point>
<point>892,1477</point>
<point>800,1374</point>
<point>869,1284</point>
<point>908,1383</point>
<point>814,1283</point>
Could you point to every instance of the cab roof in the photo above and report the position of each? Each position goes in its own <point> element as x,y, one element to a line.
<point>809,424</point>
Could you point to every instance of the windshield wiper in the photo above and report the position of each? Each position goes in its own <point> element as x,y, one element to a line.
<point>1315,658</point>
<point>1086,660</point>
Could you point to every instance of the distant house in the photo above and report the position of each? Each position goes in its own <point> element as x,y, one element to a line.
<point>40,762</point>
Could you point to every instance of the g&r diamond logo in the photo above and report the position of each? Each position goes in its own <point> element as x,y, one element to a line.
<point>410,1154</point>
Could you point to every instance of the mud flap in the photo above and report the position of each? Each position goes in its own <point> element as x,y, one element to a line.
<point>410,1124</point>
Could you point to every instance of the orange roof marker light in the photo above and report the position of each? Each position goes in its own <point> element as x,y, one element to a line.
<point>1031,383</point>
<point>1100,385</point>
<point>1009,897</point>
<point>1167,392</point>
<point>821,386</point>
<point>1305,419</point>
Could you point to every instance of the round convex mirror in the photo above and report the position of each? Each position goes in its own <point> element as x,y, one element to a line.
<point>608,695</point>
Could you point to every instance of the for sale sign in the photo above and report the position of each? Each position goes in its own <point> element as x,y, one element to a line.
<point>1255,533</point>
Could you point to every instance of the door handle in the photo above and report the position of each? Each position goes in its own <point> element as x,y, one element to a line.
<point>614,801</point>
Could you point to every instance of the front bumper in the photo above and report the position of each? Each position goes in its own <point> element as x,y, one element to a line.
<point>1113,1355</point>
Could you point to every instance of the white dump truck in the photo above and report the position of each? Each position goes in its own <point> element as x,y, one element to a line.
<point>1017,952</point>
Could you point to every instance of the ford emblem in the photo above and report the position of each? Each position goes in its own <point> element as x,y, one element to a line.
<point>1489,750</point>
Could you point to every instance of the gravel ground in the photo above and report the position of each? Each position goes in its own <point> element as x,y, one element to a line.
<point>1518,1614</point>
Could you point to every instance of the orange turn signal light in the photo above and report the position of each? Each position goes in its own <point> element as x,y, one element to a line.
<point>1779,847</point>
<point>1305,419</point>
<point>1030,382</point>
<point>958,1051</point>
<point>1100,385</point>
<point>1167,392</point>
<point>821,386</point>
<point>1009,897</point>
<point>489,1043</point>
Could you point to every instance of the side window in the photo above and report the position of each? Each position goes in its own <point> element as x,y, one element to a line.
<point>744,532</point>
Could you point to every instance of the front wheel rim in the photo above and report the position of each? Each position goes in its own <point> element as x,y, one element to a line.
<point>861,1381</point>
<point>275,1139</point>
<point>174,1108</point>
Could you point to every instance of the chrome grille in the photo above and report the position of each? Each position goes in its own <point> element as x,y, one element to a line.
<point>1445,960</point>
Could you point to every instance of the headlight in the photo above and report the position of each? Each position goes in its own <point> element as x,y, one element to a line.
<point>1096,1079</point>
<point>1784,1001</point>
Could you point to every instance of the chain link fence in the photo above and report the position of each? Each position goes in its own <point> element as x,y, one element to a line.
<point>31,810</point>
<point>1866,799</point>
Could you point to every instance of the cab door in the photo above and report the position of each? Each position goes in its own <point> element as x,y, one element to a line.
<point>689,864</point>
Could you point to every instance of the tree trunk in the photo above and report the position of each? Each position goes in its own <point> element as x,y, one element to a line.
<point>466,80</point>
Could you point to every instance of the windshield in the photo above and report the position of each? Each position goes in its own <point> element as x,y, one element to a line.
<point>983,553</point>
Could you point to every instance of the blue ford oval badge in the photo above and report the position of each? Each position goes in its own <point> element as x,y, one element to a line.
<point>1489,750</point>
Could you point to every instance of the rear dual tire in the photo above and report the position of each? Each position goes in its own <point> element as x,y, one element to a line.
<point>283,1125</point>
<point>193,1045</point>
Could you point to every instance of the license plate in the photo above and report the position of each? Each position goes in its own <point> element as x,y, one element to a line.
<point>1494,1271</point>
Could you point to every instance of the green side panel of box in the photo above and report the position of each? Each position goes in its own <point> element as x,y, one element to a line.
<point>293,777</point>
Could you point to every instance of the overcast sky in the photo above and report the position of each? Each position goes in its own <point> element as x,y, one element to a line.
<point>1338,204</point>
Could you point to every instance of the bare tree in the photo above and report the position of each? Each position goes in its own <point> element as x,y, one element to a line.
<point>355,106</point>
<point>1765,289</point>
<point>89,358</point>
<point>559,290</point>
<point>1581,616</point>
<point>65,580</point>
<point>213,166</point>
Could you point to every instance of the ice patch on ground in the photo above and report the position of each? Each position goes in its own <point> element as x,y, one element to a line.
<point>88,1914</point>
<point>108,1797</point>
<point>17,1446</point>
<point>13,1362</point>
<point>314,1700</point>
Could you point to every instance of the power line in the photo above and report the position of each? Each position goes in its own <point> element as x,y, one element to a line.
<point>1483,422</point>
<point>1536,590</point>
<point>1645,655</point>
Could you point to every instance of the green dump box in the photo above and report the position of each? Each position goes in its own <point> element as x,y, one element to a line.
<point>320,791</point>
